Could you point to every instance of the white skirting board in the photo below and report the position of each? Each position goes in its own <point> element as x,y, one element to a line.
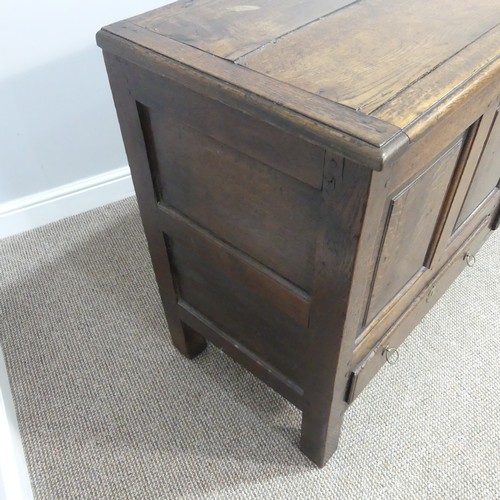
<point>41,208</point>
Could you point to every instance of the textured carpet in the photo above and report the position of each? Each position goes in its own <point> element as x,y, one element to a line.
<point>108,409</point>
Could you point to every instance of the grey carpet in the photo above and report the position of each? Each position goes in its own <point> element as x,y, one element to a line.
<point>108,409</point>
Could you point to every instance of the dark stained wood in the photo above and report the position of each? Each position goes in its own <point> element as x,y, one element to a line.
<point>284,152</point>
<point>410,224</point>
<point>479,108</point>
<point>345,191</point>
<point>410,317</point>
<point>245,357</point>
<point>440,63</point>
<point>459,188</point>
<point>471,139</point>
<point>445,126</point>
<point>423,104</point>
<point>241,201</point>
<point>403,173</point>
<point>244,316</point>
<point>308,172</point>
<point>315,119</point>
<point>487,173</point>
<point>238,266</point>
<point>187,341</point>
<point>386,320</point>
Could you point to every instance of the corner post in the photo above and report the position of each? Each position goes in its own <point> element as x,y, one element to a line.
<point>346,187</point>
<point>184,338</point>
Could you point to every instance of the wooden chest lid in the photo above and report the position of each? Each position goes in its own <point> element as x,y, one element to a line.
<point>366,75</point>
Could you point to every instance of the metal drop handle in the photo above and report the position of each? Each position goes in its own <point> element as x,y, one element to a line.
<point>391,355</point>
<point>470,259</point>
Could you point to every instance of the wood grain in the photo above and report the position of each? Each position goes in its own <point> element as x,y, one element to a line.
<point>329,350</point>
<point>423,103</point>
<point>240,313</point>
<point>239,267</point>
<point>407,40</point>
<point>274,212</point>
<point>255,138</point>
<point>409,318</point>
<point>239,200</point>
<point>449,233</point>
<point>269,374</point>
<point>229,28</point>
<point>444,242</point>
<point>487,174</point>
<point>188,342</point>
<point>360,137</point>
<point>411,220</point>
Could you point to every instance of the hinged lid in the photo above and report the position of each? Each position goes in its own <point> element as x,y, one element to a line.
<point>364,76</point>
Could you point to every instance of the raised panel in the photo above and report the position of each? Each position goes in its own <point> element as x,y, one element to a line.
<point>240,200</point>
<point>263,282</point>
<point>254,137</point>
<point>411,220</point>
<point>237,310</point>
<point>487,174</point>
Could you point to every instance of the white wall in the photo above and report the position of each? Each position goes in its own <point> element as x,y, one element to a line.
<point>57,121</point>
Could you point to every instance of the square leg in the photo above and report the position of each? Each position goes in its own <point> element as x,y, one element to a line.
<point>187,341</point>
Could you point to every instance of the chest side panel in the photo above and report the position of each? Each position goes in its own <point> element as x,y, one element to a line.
<point>232,229</point>
<point>208,286</point>
<point>245,203</point>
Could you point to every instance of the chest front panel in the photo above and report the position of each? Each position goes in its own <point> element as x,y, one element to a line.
<point>487,174</point>
<point>410,224</point>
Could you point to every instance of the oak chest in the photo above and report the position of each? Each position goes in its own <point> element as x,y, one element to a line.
<point>312,175</point>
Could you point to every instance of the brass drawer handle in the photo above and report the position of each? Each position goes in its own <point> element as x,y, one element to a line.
<point>470,259</point>
<point>391,355</point>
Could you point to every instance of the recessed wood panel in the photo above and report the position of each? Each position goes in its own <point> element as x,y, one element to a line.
<point>243,202</point>
<point>411,220</point>
<point>237,310</point>
<point>487,174</point>
<point>255,138</point>
<point>280,293</point>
